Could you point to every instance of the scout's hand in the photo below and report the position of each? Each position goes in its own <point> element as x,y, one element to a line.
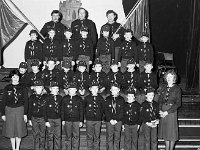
<point>112,122</point>
<point>138,127</point>
<point>63,123</point>
<point>165,113</point>
<point>101,90</point>
<point>47,124</point>
<point>149,124</point>
<point>80,124</point>
<point>119,64</point>
<point>25,118</point>
<point>57,62</point>
<point>77,62</point>
<point>30,123</point>
<point>3,117</point>
<point>137,65</point>
<point>115,36</point>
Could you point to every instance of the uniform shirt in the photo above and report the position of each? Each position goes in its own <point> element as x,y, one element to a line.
<point>105,46</point>
<point>14,96</point>
<point>58,27</point>
<point>51,48</point>
<point>68,48</point>
<point>145,52</point>
<point>33,50</point>
<point>131,79</point>
<point>113,108</point>
<point>149,111</point>
<point>99,77</point>
<point>93,107</point>
<point>50,75</point>
<point>66,78</point>
<point>131,115</point>
<point>72,108</point>
<point>127,50</point>
<point>92,32</point>
<point>113,28</point>
<point>33,77</point>
<point>170,96</point>
<point>113,77</point>
<point>24,79</point>
<point>148,80</point>
<point>82,79</point>
<point>36,106</point>
<point>84,47</point>
<point>52,107</point>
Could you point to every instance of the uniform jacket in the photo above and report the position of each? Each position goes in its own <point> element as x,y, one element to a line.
<point>66,78</point>
<point>82,79</point>
<point>145,52</point>
<point>50,75</point>
<point>68,48</point>
<point>99,77</point>
<point>131,79</point>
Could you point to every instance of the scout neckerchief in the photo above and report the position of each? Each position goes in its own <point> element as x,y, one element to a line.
<point>114,105</point>
<point>15,94</point>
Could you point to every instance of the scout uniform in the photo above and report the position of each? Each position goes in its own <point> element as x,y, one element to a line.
<point>148,115</point>
<point>68,48</point>
<point>113,109</point>
<point>84,49</point>
<point>53,117</point>
<point>105,50</point>
<point>72,115</point>
<point>24,77</point>
<point>36,115</point>
<point>93,110</point>
<point>127,50</point>
<point>33,50</point>
<point>131,121</point>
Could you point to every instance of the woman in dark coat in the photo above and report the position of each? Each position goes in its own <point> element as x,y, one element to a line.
<point>169,102</point>
<point>14,110</point>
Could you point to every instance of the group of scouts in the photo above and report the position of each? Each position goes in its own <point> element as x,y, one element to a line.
<point>65,91</point>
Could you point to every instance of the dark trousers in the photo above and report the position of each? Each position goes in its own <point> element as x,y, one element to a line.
<point>113,135</point>
<point>130,137</point>
<point>38,130</point>
<point>54,134</point>
<point>150,137</point>
<point>93,129</point>
<point>72,132</point>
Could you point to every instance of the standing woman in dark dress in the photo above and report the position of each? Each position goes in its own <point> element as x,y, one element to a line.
<point>169,102</point>
<point>14,110</point>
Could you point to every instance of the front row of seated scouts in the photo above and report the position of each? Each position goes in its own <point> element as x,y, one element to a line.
<point>47,109</point>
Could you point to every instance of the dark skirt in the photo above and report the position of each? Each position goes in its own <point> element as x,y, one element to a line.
<point>168,127</point>
<point>14,126</point>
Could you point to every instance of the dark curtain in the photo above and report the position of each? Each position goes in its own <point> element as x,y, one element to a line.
<point>10,25</point>
<point>192,57</point>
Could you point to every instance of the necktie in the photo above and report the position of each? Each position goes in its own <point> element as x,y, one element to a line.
<point>39,102</point>
<point>15,95</point>
<point>95,112</point>
<point>97,77</point>
<point>152,113</point>
<point>114,105</point>
<point>56,103</point>
<point>81,80</point>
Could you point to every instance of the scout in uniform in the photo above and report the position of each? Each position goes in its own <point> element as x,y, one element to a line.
<point>51,48</point>
<point>131,76</point>
<point>127,50</point>
<point>36,115</point>
<point>68,48</point>
<point>131,120</point>
<point>84,48</point>
<point>35,73</point>
<point>114,75</point>
<point>52,116</point>
<point>50,73</point>
<point>33,49</point>
<point>93,110</point>
<point>98,75</point>
<point>105,48</point>
<point>113,109</point>
<point>24,77</point>
<point>72,117</point>
<point>56,24</point>
<point>82,78</point>
<point>149,116</point>
<point>144,51</point>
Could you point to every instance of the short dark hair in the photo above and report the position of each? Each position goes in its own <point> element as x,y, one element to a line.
<point>86,12</point>
<point>57,12</point>
<point>112,11</point>
<point>14,72</point>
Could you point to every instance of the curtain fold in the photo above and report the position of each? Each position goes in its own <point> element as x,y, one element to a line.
<point>192,55</point>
